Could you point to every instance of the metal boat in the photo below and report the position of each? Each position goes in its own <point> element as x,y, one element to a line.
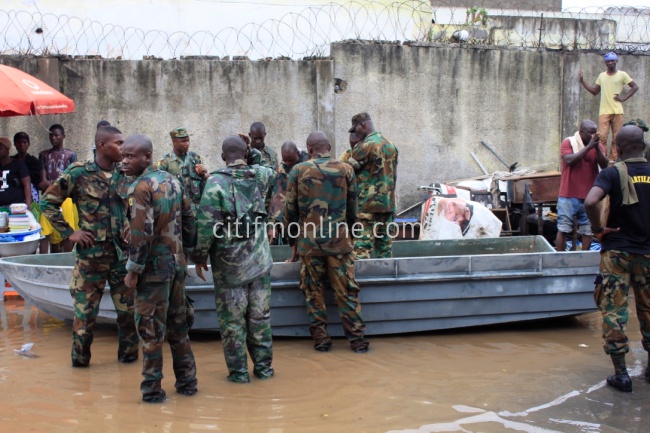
<point>424,286</point>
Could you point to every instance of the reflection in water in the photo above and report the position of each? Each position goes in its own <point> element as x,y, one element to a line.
<point>536,377</point>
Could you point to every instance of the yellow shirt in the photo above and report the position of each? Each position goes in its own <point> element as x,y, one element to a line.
<point>611,85</point>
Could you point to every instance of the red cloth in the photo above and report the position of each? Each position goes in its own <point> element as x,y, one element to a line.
<point>577,180</point>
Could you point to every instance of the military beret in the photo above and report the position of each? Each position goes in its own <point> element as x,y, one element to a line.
<point>358,118</point>
<point>638,122</point>
<point>179,133</point>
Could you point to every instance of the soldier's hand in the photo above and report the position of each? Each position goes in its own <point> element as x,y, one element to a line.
<point>244,137</point>
<point>199,270</point>
<point>85,239</point>
<point>201,170</point>
<point>605,232</point>
<point>131,280</point>
<point>294,254</point>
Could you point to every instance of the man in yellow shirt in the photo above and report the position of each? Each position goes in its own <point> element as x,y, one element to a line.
<point>611,83</point>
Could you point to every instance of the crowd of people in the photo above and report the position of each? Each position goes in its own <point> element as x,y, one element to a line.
<point>135,224</point>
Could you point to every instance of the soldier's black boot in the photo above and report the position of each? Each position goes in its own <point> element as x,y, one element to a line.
<point>620,379</point>
<point>647,369</point>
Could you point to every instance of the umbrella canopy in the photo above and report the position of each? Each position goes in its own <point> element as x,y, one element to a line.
<point>22,94</point>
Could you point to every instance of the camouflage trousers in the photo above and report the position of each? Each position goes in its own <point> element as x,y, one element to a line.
<point>315,273</point>
<point>89,278</point>
<point>161,310</point>
<point>374,235</point>
<point>245,322</point>
<point>618,271</point>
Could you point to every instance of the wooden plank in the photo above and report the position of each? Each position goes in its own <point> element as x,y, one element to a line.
<point>542,189</point>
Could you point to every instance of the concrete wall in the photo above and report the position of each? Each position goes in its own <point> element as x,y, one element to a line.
<point>436,103</point>
<point>212,99</point>
<point>550,5</point>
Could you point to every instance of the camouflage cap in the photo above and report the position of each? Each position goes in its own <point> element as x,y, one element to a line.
<point>358,118</point>
<point>638,122</point>
<point>179,133</point>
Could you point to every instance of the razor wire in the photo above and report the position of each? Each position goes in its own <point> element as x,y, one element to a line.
<point>310,32</point>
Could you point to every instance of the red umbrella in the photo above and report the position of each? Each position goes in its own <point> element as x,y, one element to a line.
<point>22,94</point>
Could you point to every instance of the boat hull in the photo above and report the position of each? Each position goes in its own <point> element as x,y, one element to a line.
<point>426,285</point>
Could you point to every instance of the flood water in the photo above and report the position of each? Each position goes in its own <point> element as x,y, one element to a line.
<point>545,376</point>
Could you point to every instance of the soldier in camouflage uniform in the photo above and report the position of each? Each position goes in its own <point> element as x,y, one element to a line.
<point>162,225</point>
<point>257,136</point>
<point>291,156</point>
<point>99,190</point>
<point>375,163</point>
<point>186,165</point>
<point>625,254</point>
<point>232,233</point>
<point>322,203</point>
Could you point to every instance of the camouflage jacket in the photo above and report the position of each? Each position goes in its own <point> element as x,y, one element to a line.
<point>101,203</point>
<point>183,169</point>
<point>162,224</point>
<point>269,158</point>
<point>375,164</point>
<point>279,192</point>
<point>322,201</point>
<point>231,225</point>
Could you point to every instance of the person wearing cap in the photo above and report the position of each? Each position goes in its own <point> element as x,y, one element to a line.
<point>374,160</point>
<point>186,165</point>
<point>15,184</point>
<point>611,83</point>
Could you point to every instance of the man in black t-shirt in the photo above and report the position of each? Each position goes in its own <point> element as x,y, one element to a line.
<point>14,178</point>
<point>625,257</point>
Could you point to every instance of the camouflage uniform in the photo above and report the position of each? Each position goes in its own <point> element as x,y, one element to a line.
<point>162,224</point>
<point>232,233</point>
<point>322,192</point>
<point>279,194</point>
<point>618,271</point>
<point>375,164</point>
<point>269,158</point>
<point>101,202</point>
<point>183,169</point>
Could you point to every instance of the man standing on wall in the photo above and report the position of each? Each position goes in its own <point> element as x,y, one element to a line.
<point>610,116</point>
<point>231,223</point>
<point>186,165</point>
<point>374,160</point>
<point>625,257</point>
<point>162,227</point>
<point>321,202</point>
<point>99,189</point>
<point>580,164</point>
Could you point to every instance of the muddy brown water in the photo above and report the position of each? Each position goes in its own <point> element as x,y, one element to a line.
<point>544,376</point>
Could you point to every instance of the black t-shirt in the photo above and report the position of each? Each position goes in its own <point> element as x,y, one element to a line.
<point>11,188</point>
<point>633,220</point>
<point>34,168</point>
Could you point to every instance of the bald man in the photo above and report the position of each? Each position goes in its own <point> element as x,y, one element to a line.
<point>257,134</point>
<point>581,155</point>
<point>159,212</point>
<point>99,189</point>
<point>321,205</point>
<point>625,257</point>
<point>232,234</point>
